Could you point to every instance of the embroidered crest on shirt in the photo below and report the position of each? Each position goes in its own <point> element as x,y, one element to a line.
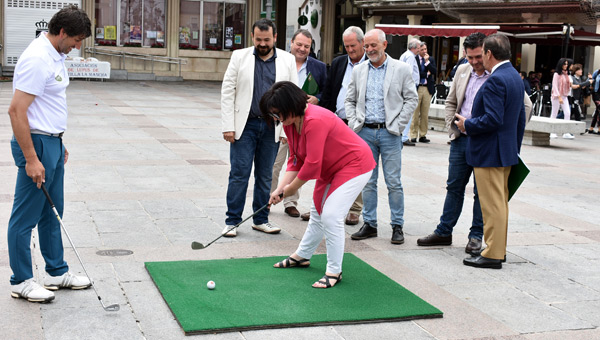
<point>58,77</point>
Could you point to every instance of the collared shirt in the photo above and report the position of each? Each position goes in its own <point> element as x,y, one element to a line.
<point>302,74</point>
<point>423,81</point>
<point>341,98</point>
<point>409,58</point>
<point>374,105</point>
<point>498,64</point>
<point>264,78</point>
<point>475,82</point>
<point>41,72</point>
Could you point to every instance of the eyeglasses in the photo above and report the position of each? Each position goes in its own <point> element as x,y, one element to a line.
<point>275,116</point>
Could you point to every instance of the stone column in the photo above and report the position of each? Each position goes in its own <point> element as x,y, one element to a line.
<point>252,14</point>
<point>413,20</point>
<point>327,30</point>
<point>528,51</point>
<point>89,6</point>
<point>371,22</point>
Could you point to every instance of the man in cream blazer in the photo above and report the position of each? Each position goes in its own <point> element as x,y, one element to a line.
<point>251,72</point>
<point>380,100</point>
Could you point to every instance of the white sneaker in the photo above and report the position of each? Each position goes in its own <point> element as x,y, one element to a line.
<point>553,135</point>
<point>266,228</point>
<point>66,280</point>
<point>232,233</point>
<point>568,136</point>
<point>32,291</point>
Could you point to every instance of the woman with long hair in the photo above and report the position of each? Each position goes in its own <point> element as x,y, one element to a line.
<point>561,86</point>
<point>324,148</point>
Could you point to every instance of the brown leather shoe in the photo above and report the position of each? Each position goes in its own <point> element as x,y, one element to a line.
<point>305,216</point>
<point>434,240</point>
<point>473,247</point>
<point>292,211</point>
<point>352,219</point>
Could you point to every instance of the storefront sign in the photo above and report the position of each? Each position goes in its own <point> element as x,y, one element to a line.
<point>95,69</point>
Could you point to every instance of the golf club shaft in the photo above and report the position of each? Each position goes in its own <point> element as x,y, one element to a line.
<point>72,245</point>
<point>235,226</point>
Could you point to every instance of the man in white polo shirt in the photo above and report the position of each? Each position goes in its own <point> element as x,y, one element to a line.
<point>38,115</point>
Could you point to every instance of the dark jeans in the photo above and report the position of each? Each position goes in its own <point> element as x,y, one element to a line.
<point>257,144</point>
<point>459,173</point>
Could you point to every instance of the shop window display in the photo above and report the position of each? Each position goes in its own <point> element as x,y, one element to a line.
<point>212,25</point>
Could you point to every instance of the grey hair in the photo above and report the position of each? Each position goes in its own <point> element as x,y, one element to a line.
<point>414,43</point>
<point>380,34</point>
<point>360,36</point>
<point>423,44</point>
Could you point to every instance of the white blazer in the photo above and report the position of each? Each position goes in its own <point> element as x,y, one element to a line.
<point>238,87</point>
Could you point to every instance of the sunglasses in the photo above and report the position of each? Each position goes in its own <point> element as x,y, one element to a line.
<point>275,116</point>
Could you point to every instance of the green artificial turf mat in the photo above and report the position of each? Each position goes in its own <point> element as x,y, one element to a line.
<point>251,294</point>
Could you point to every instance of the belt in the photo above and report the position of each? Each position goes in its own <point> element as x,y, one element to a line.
<point>39,132</point>
<point>375,125</point>
<point>422,84</point>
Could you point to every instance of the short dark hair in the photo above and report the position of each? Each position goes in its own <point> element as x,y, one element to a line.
<point>263,25</point>
<point>499,45</point>
<point>73,20</point>
<point>286,97</point>
<point>304,32</point>
<point>474,40</point>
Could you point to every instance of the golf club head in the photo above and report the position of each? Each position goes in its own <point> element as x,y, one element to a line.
<point>112,308</point>
<point>197,245</point>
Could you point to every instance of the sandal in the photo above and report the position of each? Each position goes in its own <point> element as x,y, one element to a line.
<point>325,280</point>
<point>292,262</point>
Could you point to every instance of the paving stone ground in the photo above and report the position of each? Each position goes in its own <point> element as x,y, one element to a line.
<point>148,173</point>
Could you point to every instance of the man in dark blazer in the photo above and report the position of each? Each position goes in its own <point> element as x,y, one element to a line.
<point>306,66</point>
<point>495,132</point>
<point>334,93</point>
<point>426,89</point>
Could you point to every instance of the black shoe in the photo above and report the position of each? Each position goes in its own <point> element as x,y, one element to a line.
<point>482,262</point>
<point>408,143</point>
<point>414,140</point>
<point>473,247</point>
<point>434,240</point>
<point>476,253</point>
<point>397,234</point>
<point>424,140</point>
<point>365,231</point>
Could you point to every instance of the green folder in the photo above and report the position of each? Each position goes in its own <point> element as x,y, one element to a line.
<point>310,85</point>
<point>518,172</point>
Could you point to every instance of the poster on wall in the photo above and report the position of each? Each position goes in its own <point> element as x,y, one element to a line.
<point>228,37</point>
<point>160,36</point>
<point>184,35</point>
<point>99,32</point>
<point>135,34</point>
<point>110,32</point>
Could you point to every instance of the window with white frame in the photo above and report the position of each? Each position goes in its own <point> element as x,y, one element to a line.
<point>130,22</point>
<point>212,25</point>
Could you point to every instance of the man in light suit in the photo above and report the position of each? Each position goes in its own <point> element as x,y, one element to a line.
<point>250,73</point>
<point>495,132</point>
<point>426,88</point>
<point>306,65</point>
<point>409,57</point>
<point>380,100</point>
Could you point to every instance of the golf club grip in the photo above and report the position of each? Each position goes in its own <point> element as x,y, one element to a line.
<point>47,195</point>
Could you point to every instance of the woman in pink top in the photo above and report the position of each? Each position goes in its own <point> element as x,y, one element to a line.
<point>561,86</point>
<point>322,147</point>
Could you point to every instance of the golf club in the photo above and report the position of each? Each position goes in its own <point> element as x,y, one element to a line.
<point>198,245</point>
<point>110,308</point>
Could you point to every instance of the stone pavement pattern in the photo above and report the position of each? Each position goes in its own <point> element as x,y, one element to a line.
<point>148,173</point>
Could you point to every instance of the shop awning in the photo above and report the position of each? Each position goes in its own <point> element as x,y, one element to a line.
<point>544,34</point>
<point>437,30</point>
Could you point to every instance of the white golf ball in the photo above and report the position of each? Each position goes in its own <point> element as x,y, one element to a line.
<point>210,285</point>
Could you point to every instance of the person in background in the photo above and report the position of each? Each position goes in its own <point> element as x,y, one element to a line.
<point>334,94</point>
<point>322,147</point>
<point>534,81</point>
<point>596,99</point>
<point>409,57</point>
<point>426,89</point>
<point>462,60</point>
<point>526,83</point>
<point>250,73</point>
<point>310,72</point>
<point>381,98</point>
<point>561,87</point>
<point>38,116</point>
<point>578,84</point>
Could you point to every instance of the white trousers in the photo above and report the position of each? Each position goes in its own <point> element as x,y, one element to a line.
<point>565,107</point>
<point>331,223</point>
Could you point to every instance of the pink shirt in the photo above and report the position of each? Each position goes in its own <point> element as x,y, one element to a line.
<point>326,150</point>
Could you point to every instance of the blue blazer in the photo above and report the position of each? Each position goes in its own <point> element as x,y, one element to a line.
<point>497,121</point>
<point>319,71</point>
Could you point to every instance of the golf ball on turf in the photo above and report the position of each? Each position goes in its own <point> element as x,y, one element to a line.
<point>210,285</point>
